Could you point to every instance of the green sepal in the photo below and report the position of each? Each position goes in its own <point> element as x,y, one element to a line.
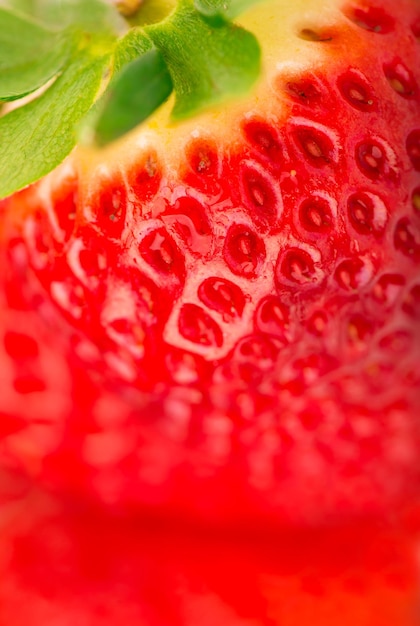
<point>93,16</point>
<point>134,93</point>
<point>205,66</point>
<point>128,48</point>
<point>30,55</point>
<point>208,65</point>
<point>38,136</point>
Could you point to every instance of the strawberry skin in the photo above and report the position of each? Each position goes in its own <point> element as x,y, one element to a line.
<point>221,320</point>
<point>64,565</point>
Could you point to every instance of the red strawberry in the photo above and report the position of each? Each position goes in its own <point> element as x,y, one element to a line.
<point>63,566</point>
<point>221,319</point>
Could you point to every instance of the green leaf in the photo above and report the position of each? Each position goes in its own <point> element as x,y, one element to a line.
<point>38,136</point>
<point>204,65</point>
<point>30,55</point>
<point>208,65</point>
<point>94,16</point>
<point>228,9</point>
<point>135,92</point>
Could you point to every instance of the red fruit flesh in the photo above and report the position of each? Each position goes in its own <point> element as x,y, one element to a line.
<point>235,337</point>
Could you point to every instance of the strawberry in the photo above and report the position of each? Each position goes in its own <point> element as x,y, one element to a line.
<point>60,566</point>
<point>219,319</point>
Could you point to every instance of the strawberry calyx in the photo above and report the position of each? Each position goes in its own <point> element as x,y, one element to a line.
<point>129,71</point>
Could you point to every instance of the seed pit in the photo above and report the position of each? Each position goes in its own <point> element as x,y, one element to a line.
<point>304,90</point>
<point>400,78</point>
<point>372,19</point>
<point>315,35</point>
<point>110,206</point>
<point>317,324</point>
<point>316,215</point>
<point>64,201</point>
<point>244,251</point>
<point>203,157</point>
<point>263,138</point>
<point>413,148</point>
<point>189,221</point>
<point>355,89</point>
<point>359,329</point>
<point>367,213</point>
<point>407,239</point>
<point>316,146</point>
<point>259,195</point>
<point>144,176</point>
<point>399,341</point>
<point>257,350</point>
<point>297,266</point>
<point>388,288</point>
<point>222,296</point>
<point>195,325</point>
<point>272,316</point>
<point>411,304</point>
<point>415,199</point>
<point>352,274</point>
<point>373,160</point>
<point>159,250</point>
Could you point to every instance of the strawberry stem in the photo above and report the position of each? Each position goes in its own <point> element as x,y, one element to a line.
<point>128,8</point>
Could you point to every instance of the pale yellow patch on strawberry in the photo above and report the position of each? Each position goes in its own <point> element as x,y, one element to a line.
<point>278,27</point>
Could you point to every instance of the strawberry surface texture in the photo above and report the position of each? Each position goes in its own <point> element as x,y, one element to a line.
<point>219,320</point>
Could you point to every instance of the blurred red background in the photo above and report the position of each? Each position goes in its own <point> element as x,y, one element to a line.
<point>67,565</point>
